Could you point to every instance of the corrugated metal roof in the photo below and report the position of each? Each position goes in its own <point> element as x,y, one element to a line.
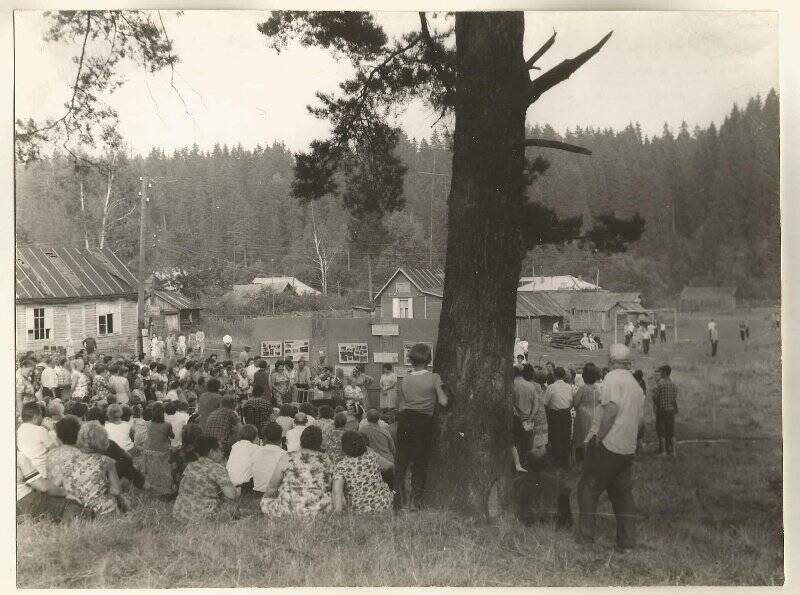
<point>177,299</point>
<point>53,273</point>
<point>595,301</point>
<point>554,283</point>
<point>707,293</point>
<point>430,281</point>
<point>536,305</point>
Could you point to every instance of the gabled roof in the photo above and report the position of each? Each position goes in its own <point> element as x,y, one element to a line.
<point>596,301</point>
<point>427,281</point>
<point>52,273</point>
<point>538,304</point>
<point>280,284</point>
<point>707,293</point>
<point>176,299</point>
<point>554,283</point>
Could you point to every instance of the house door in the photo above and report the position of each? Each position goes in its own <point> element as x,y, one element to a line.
<point>171,320</point>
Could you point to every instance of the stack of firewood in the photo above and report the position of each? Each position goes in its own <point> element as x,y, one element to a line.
<point>567,339</point>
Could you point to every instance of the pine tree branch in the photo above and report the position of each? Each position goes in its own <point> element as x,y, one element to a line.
<point>563,71</point>
<point>436,58</point>
<point>529,64</point>
<point>556,144</point>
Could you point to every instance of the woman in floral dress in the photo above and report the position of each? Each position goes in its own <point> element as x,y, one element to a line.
<point>357,481</point>
<point>80,381</point>
<point>305,487</point>
<point>280,383</point>
<point>100,386</point>
<point>206,491</point>
<point>92,478</point>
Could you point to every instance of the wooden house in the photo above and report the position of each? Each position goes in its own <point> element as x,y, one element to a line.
<point>411,293</point>
<point>65,294</point>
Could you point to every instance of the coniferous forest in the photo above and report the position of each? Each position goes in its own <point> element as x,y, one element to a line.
<point>709,196</point>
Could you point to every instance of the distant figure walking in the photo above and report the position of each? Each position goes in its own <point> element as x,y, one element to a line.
<point>713,336</point>
<point>662,332</point>
<point>744,330</point>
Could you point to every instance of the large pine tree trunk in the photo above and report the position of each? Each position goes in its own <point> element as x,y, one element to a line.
<point>471,460</point>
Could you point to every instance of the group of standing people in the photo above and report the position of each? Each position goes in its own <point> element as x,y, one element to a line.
<point>175,345</point>
<point>644,333</point>
<point>591,417</point>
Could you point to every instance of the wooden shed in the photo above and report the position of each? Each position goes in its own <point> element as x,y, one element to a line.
<point>172,311</point>
<point>596,310</point>
<point>536,314</point>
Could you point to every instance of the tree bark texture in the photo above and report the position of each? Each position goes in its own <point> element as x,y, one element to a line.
<point>471,457</point>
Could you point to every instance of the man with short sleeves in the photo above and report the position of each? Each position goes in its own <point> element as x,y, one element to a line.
<point>227,342</point>
<point>611,445</point>
<point>713,336</point>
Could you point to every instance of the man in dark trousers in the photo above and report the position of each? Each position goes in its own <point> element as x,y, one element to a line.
<point>665,404</point>
<point>261,378</point>
<point>610,448</point>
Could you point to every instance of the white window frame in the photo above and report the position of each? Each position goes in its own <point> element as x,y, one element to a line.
<point>47,331</point>
<point>403,308</point>
<point>104,310</point>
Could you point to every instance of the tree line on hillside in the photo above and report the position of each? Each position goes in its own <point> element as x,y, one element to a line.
<point>709,197</point>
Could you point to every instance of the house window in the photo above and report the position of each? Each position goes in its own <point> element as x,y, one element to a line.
<point>402,308</point>
<point>39,323</point>
<point>402,287</point>
<point>108,319</point>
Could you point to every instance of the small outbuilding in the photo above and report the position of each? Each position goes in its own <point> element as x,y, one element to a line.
<point>597,309</point>
<point>693,299</point>
<point>173,311</point>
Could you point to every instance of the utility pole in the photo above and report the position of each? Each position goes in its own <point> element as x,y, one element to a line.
<point>369,276</point>
<point>143,200</point>
<point>348,259</point>
<point>430,214</point>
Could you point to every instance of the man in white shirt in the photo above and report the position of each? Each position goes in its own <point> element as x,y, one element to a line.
<point>240,461</point>
<point>49,378</point>
<point>663,332</point>
<point>227,342</point>
<point>293,435</point>
<point>629,330</point>
<point>713,336</point>
<point>558,402</point>
<point>251,370</point>
<point>267,459</point>
<point>33,440</point>
<point>200,339</point>
<point>611,445</point>
<point>644,333</point>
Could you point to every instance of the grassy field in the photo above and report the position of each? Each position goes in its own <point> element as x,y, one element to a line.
<point>712,516</point>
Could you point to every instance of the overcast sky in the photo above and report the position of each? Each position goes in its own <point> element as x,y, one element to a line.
<point>657,67</point>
